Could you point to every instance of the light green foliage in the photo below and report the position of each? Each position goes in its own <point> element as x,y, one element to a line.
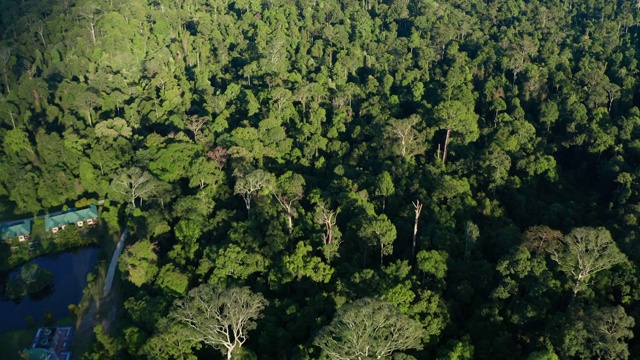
<point>368,329</point>
<point>106,348</point>
<point>543,355</point>
<point>610,330</point>
<point>385,187</point>
<point>187,232</point>
<point>88,178</point>
<point>496,115</point>
<point>432,263</point>
<point>232,263</point>
<point>17,141</point>
<point>138,262</point>
<point>301,264</point>
<point>204,173</point>
<point>289,189</point>
<point>170,342</point>
<point>172,163</point>
<point>461,119</point>
<point>113,128</point>
<point>497,164</point>
<point>172,279</point>
<point>457,350</point>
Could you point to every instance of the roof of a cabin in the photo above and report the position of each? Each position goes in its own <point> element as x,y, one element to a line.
<point>15,229</point>
<point>70,217</point>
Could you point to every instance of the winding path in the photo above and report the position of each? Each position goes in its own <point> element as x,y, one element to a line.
<point>114,262</point>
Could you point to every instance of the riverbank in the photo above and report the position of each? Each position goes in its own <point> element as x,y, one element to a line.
<point>89,308</point>
<point>96,306</point>
<point>70,273</point>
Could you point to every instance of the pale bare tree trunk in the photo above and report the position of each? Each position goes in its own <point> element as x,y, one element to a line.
<point>13,122</point>
<point>92,30</point>
<point>328,219</point>
<point>287,204</point>
<point>247,204</point>
<point>418,208</point>
<point>446,142</point>
<point>40,31</point>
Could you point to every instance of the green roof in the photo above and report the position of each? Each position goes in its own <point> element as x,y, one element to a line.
<point>70,217</point>
<point>15,230</point>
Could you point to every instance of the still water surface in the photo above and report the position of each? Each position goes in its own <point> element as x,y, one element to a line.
<point>70,270</point>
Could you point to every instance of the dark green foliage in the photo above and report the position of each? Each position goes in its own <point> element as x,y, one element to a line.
<point>282,147</point>
<point>29,280</point>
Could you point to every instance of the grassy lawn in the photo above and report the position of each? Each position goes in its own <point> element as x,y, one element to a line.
<point>11,342</point>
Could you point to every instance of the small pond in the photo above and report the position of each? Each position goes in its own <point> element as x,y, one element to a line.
<point>70,271</point>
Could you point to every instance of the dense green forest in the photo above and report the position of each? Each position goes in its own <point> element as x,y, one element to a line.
<point>345,179</point>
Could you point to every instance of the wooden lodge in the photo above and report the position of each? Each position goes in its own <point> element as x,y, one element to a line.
<point>20,230</point>
<point>55,223</point>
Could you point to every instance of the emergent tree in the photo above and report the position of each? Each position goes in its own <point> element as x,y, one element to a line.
<point>219,318</point>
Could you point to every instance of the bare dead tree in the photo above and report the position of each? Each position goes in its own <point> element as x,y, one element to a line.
<point>39,28</point>
<point>91,13</point>
<point>418,208</point>
<point>446,142</point>
<point>613,92</point>
<point>327,218</point>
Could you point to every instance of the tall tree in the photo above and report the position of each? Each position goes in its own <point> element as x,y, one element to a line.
<point>251,184</point>
<point>369,329</point>
<point>220,318</point>
<point>132,184</point>
<point>288,190</point>
<point>585,252</point>
<point>406,140</point>
<point>379,231</point>
<point>456,118</point>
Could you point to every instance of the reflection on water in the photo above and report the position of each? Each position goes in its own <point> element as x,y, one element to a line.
<point>70,271</point>
<point>43,293</point>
